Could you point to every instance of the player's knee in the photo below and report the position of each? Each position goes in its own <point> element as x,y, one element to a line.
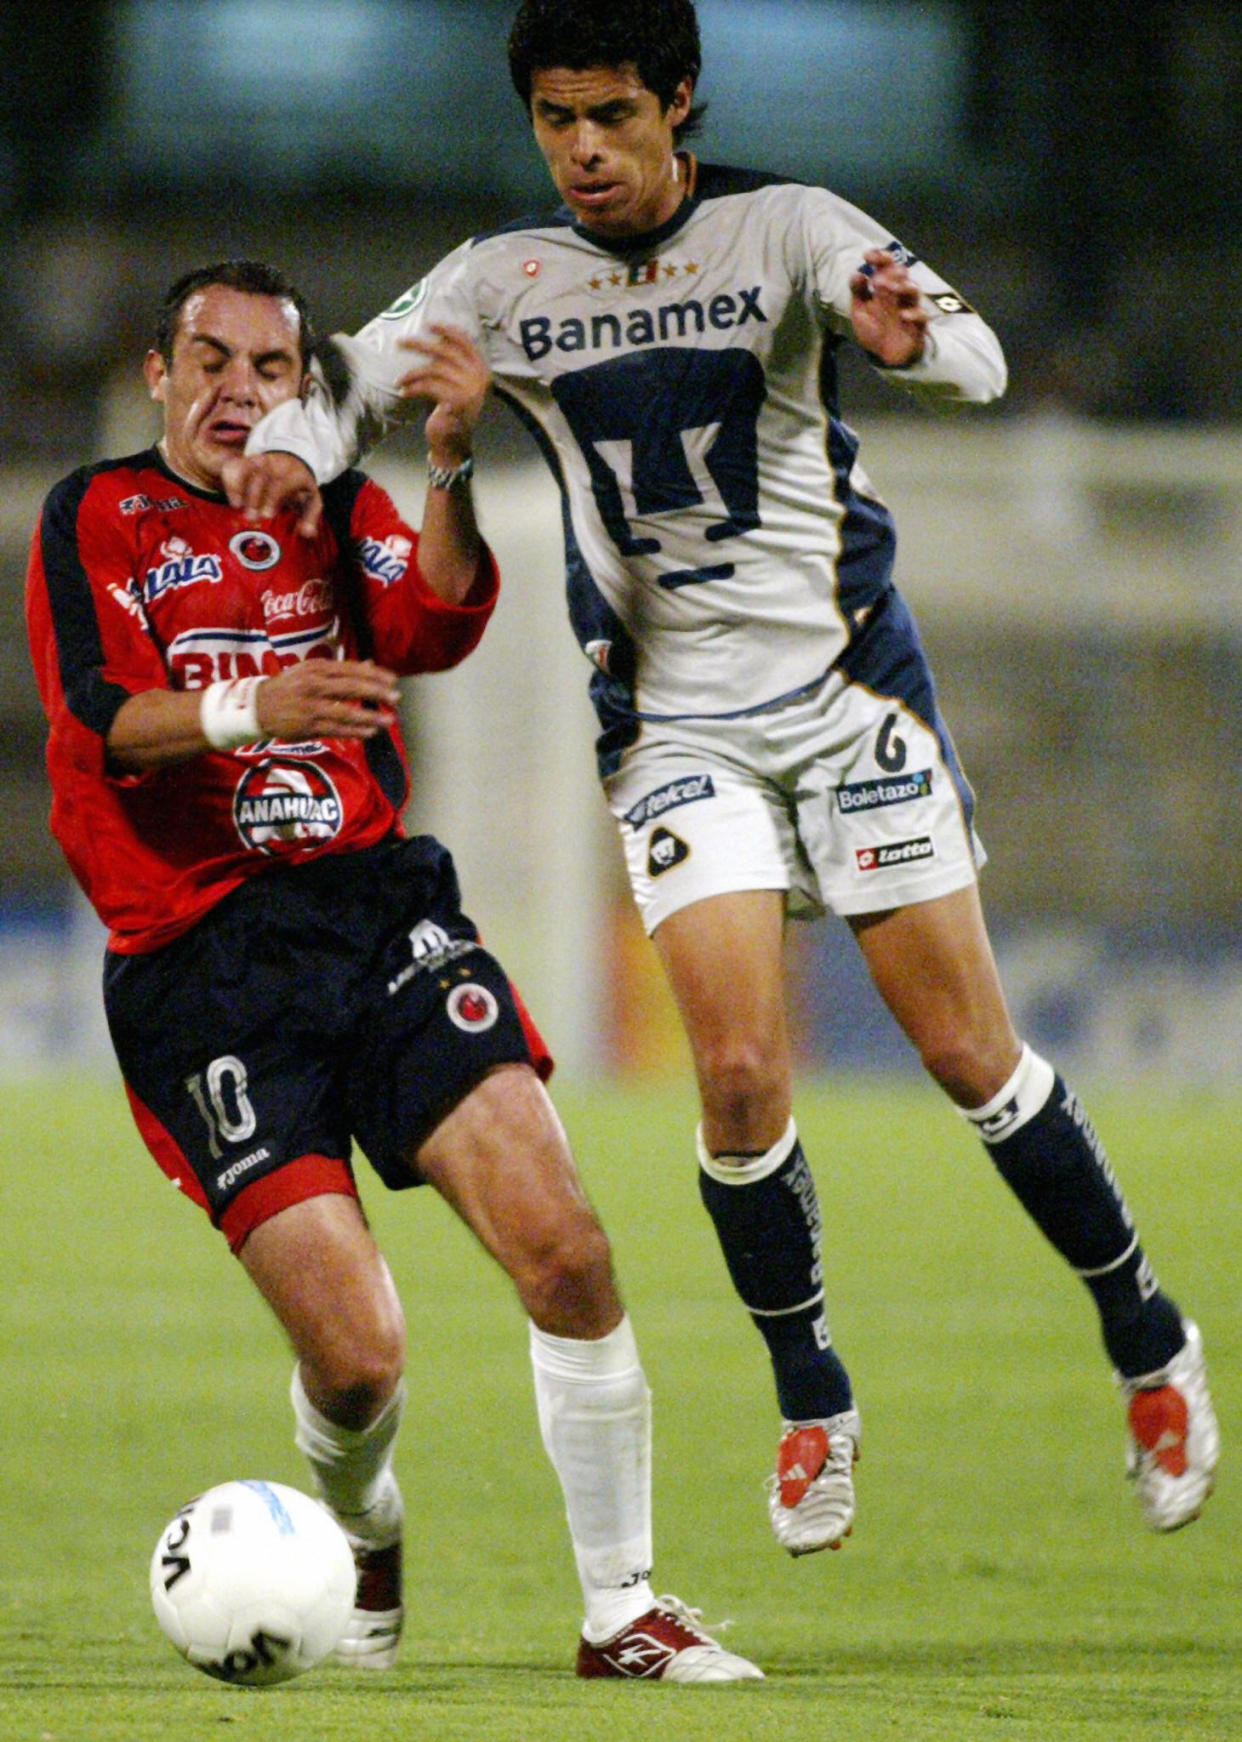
<point>739,1079</point>
<point>969,1068</point>
<point>357,1373</point>
<point>565,1278</point>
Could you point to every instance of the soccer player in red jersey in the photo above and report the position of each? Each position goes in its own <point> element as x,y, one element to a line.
<point>287,974</point>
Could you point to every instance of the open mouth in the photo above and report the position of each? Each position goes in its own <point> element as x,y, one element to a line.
<point>596,194</point>
<point>229,433</point>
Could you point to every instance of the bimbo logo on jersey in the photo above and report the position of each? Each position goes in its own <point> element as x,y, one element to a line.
<point>202,656</point>
<point>278,802</point>
<point>182,569</point>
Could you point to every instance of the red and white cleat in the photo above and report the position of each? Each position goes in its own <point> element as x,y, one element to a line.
<point>666,1644</point>
<point>811,1496</point>
<point>1174,1441</point>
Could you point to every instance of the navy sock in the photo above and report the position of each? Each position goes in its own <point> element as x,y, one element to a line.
<point>1046,1150</point>
<point>766,1215</point>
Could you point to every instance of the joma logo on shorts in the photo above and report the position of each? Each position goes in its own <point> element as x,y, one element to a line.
<point>866,795</point>
<point>896,853</point>
<point>238,1168</point>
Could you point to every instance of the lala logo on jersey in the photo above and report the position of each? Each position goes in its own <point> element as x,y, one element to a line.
<point>181,569</point>
<point>254,549</point>
<point>279,802</point>
<point>386,562</point>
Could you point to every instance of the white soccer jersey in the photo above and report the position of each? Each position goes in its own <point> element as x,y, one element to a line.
<point>722,541</point>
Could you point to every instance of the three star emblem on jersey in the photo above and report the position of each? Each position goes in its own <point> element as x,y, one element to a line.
<point>665,850</point>
<point>642,272</point>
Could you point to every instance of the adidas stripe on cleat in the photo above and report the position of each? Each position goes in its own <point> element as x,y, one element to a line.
<point>811,1496</point>
<point>1174,1441</point>
<point>666,1644</point>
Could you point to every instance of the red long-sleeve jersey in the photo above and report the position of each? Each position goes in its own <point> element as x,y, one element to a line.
<point>138,581</point>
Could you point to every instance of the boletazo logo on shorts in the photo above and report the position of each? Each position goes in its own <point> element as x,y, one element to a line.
<point>867,795</point>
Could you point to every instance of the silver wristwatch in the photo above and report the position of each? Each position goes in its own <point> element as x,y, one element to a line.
<point>450,477</point>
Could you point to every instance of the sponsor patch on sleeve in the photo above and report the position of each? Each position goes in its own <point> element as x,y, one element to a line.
<point>950,303</point>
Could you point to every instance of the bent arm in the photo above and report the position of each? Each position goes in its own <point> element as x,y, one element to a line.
<point>318,698</point>
<point>913,326</point>
<point>354,395</point>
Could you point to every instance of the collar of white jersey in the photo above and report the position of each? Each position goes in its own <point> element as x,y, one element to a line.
<point>646,242</point>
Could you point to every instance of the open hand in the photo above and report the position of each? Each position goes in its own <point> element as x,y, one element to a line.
<point>887,310</point>
<point>455,377</point>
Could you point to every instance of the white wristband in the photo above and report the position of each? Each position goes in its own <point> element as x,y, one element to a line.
<point>228,715</point>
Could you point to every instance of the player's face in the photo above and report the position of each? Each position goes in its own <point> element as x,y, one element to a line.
<point>235,356</point>
<point>609,145</point>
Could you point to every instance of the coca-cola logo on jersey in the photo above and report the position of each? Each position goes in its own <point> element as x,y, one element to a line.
<point>278,803</point>
<point>312,599</point>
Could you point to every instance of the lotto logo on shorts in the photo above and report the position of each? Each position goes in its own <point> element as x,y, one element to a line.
<point>667,798</point>
<point>895,853</point>
<point>472,1008</point>
<point>868,795</point>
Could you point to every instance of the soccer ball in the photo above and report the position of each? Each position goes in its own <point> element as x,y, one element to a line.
<point>253,1582</point>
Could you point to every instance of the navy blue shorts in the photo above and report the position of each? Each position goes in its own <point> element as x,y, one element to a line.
<point>344,1000</point>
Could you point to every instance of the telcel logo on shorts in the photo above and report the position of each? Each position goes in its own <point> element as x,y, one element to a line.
<point>895,853</point>
<point>667,798</point>
<point>867,795</point>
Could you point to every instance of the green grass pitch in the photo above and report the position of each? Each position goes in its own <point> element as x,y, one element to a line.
<point>999,1583</point>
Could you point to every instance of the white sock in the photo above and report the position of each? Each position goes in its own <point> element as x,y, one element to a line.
<point>352,1467</point>
<point>595,1418</point>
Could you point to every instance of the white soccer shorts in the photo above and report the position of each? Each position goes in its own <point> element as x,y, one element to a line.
<point>844,799</point>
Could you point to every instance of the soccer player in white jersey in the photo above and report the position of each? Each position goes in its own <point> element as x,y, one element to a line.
<point>770,742</point>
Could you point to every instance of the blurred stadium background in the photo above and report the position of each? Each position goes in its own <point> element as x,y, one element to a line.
<point>1074,554</point>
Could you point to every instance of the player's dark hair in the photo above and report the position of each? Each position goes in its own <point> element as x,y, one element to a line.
<point>660,38</point>
<point>251,276</point>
